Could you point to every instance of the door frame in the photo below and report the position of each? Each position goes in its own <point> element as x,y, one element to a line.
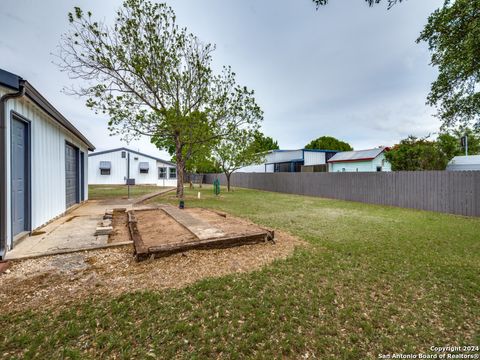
<point>28,173</point>
<point>77,165</point>
<point>81,161</point>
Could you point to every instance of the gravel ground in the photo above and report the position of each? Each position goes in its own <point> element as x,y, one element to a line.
<point>49,282</point>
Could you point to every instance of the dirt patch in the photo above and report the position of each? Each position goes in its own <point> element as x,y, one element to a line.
<point>56,281</point>
<point>156,225</point>
<point>120,228</point>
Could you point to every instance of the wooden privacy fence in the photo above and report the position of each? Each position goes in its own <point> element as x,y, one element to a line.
<point>443,191</point>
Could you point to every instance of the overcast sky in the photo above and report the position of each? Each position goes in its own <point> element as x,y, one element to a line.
<point>346,70</point>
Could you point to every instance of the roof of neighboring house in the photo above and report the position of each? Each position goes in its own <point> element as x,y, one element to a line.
<point>15,82</point>
<point>133,152</point>
<point>307,150</point>
<point>471,162</point>
<point>359,155</point>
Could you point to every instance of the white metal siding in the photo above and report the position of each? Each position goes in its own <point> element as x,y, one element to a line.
<point>47,162</point>
<point>314,158</point>
<point>253,168</point>
<point>284,156</point>
<point>165,181</point>
<point>464,163</point>
<point>118,171</point>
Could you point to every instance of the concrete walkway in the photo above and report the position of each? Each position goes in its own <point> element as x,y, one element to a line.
<point>74,231</point>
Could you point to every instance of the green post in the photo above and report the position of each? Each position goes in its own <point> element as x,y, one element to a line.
<point>216,187</point>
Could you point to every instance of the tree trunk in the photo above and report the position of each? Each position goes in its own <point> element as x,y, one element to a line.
<point>228,181</point>
<point>180,168</point>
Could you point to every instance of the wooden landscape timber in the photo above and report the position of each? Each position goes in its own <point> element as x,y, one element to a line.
<point>189,231</point>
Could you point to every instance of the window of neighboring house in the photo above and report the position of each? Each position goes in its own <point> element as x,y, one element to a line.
<point>105,167</point>
<point>379,168</point>
<point>143,167</point>
<point>343,169</point>
<point>162,172</point>
<point>124,154</point>
<point>173,173</point>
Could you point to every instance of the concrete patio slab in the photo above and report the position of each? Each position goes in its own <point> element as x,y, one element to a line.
<point>75,231</point>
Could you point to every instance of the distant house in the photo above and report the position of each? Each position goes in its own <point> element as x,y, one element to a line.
<point>43,161</point>
<point>360,161</point>
<point>290,160</point>
<point>115,166</point>
<point>464,163</point>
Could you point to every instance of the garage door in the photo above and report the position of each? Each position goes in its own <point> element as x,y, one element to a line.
<point>71,174</point>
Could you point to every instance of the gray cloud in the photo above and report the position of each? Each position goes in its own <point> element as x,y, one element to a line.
<point>345,70</point>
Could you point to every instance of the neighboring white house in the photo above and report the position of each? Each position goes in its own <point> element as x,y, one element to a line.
<point>290,160</point>
<point>464,163</point>
<point>43,161</point>
<point>115,166</point>
<point>360,161</point>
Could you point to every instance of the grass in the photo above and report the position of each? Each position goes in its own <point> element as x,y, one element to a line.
<point>99,192</point>
<point>376,280</point>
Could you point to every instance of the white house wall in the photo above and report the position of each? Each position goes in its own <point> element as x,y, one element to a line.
<point>253,169</point>
<point>314,158</point>
<point>284,156</point>
<point>166,181</point>
<point>47,155</point>
<point>310,158</point>
<point>118,171</point>
<point>361,166</point>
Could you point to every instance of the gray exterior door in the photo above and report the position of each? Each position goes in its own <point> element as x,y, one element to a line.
<point>19,176</point>
<point>71,175</point>
<point>82,176</point>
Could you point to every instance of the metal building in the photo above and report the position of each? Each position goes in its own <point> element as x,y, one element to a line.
<point>43,161</point>
<point>464,163</point>
<point>290,160</point>
<point>115,166</point>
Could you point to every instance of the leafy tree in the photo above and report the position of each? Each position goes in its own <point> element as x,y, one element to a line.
<point>370,2</point>
<point>416,154</point>
<point>449,142</point>
<point>235,152</point>
<point>453,37</point>
<point>422,154</point>
<point>449,145</point>
<point>153,78</point>
<point>263,143</point>
<point>329,143</point>
<point>201,161</point>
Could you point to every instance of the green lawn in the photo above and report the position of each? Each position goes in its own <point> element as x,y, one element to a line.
<point>99,192</point>
<point>376,280</point>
